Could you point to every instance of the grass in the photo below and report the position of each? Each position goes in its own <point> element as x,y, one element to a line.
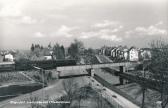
<point>108,77</point>
<point>37,76</point>
<point>135,91</point>
<point>90,59</point>
<point>83,97</point>
<point>11,77</point>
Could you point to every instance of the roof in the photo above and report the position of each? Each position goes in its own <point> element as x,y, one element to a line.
<point>146,49</point>
<point>132,48</point>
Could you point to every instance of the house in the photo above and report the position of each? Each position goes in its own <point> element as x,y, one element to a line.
<point>126,54</point>
<point>117,52</point>
<point>48,57</point>
<point>120,52</point>
<point>108,51</point>
<point>113,52</point>
<point>48,54</point>
<point>105,50</point>
<point>133,54</point>
<point>102,50</point>
<point>9,57</point>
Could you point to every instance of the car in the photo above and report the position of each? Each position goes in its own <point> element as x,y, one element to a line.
<point>114,96</point>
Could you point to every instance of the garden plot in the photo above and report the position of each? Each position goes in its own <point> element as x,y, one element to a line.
<point>9,78</point>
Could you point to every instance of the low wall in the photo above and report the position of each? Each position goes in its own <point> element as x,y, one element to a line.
<point>113,88</point>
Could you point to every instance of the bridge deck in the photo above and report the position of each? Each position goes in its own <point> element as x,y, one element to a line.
<point>94,66</point>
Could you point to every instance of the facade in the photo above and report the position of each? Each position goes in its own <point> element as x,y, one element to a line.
<point>47,57</point>
<point>120,52</point>
<point>113,52</point>
<point>123,53</point>
<point>126,54</point>
<point>133,54</point>
<point>9,57</point>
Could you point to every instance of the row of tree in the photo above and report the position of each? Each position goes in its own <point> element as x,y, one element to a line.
<point>74,51</point>
<point>36,46</point>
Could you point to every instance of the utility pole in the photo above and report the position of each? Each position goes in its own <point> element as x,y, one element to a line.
<point>42,76</point>
<point>143,89</point>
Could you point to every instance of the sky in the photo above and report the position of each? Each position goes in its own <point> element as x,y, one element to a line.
<point>95,22</point>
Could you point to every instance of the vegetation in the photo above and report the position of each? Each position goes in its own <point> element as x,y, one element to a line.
<point>159,66</point>
<point>37,76</point>
<point>11,77</point>
<point>78,97</point>
<point>59,51</point>
<point>76,49</point>
<point>159,61</point>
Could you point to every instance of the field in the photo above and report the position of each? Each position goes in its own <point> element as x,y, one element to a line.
<point>88,97</point>
<point>11,78</point>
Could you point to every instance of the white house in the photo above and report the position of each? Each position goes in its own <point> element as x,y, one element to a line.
<point>9,57</point>
<point>113,52</point>
<point>133,54</point>
<point>47,57</point>
<point>126,54</point>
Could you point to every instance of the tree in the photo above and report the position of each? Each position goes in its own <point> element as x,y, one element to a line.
<point>62,51</point>
<point>159,59</point>
<point>70,86</point>
<point>32,47</point>
<point>49,45</point>
<point>90,51</point>
<point>59,51</point>
<point>41,47</point>
<point>76,49</point>
<point>159,64</point>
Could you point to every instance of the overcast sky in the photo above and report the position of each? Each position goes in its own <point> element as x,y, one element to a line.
<point>95,22</point>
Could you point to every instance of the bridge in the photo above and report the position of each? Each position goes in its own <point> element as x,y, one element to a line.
<point>93,66</point>
<point>147,83</point>
<point>90,68</point>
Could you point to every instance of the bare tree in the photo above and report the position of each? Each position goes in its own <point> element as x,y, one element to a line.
<point>34,99</point>
<point>159,64</point>
<point>70,86</point>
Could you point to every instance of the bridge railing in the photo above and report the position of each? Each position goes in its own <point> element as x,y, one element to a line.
<point>92,66</point>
